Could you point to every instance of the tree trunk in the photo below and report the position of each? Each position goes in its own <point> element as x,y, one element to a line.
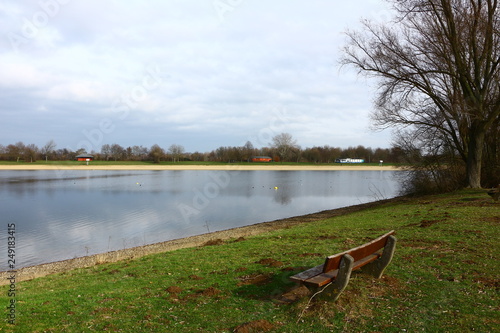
<point>474,157</point>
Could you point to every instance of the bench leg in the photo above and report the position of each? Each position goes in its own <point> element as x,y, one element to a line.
<point>377,267</point>
<point>333,290</point>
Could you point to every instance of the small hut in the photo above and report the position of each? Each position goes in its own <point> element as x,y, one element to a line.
<point>85,157</point>
<point>261,159</point>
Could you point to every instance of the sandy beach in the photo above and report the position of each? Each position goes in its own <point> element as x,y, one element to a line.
<point>228,167</point>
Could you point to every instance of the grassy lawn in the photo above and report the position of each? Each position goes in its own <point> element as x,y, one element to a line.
<point>444,278</point>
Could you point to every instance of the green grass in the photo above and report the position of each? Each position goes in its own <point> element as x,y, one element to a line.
<point>444,278</point>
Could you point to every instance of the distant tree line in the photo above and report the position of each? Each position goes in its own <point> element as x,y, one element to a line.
<point>283,149</point>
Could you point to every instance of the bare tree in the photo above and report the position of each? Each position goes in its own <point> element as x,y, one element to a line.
<point>284,144</point>
<point>491,171</point>
<point>106,151</point>
<point>248,151</point>
<point>3,152</point>
<point>48,149</point>
<point>438,68</point>
<point>16,151</point>
<point>156,153</point>
<point>117,151</point>
<point>64,154</point>
<point>176,151</point>
<point>139,152</point>
<point>30,153</point>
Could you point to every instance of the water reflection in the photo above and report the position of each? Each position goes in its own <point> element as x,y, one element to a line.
<point>86,212</point>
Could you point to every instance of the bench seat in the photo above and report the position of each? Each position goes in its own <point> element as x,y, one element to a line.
<point>336,270</point>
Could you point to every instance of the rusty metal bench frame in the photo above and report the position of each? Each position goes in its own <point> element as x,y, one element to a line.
<point>333,276</point>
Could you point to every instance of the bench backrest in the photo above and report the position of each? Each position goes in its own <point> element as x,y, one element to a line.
<point>358,253</point>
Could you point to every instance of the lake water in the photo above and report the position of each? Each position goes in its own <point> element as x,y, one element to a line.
<point>66,214</point>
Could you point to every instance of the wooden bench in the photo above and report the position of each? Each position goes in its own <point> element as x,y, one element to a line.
<point>333,276</point>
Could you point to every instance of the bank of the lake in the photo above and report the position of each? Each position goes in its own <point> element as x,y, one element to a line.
<point>195,166</point>
<point>443,278</point>
<point>36,271</point>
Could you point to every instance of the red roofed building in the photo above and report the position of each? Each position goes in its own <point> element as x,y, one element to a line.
<point>85,157</point>
<point>261,159</point>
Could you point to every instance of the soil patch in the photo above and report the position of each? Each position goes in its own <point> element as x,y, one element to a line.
<point>428,223</point>
<point>255,279</point>
<point>174,290</point>
<point>294,295</point>
<point>254,327</point>
<point>494,219</point>
<point>474,202</point>
<point>214,242</point>
<point>270,262</point>
<point>209,292</point>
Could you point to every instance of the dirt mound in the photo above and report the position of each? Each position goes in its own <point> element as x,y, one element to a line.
<point>270,262</point>
<point>294,295</point>
<point>255,279</point>
<point>209,292</point>
<point>174,290</point>
<point>254,327</point>
<point>213,242</point>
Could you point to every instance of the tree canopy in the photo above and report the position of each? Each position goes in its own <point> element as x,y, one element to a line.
<point>438,71</point>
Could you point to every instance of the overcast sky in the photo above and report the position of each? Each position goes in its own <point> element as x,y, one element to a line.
<point>198,73</point>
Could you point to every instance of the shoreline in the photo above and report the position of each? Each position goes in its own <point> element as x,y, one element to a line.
<point>229,167</point>
<point>213,238</point>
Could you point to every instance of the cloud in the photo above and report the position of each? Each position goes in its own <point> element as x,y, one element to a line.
<point>220,71</point>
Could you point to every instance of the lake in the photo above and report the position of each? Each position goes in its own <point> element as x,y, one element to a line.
<point>66,214</point>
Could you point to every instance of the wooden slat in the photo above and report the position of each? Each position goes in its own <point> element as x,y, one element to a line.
<point>358,253</point>
<point>301,277</point>
<point>360,263</point>
<point>323,279</point>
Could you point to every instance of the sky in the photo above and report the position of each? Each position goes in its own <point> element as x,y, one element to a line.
<point>197,73</point>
